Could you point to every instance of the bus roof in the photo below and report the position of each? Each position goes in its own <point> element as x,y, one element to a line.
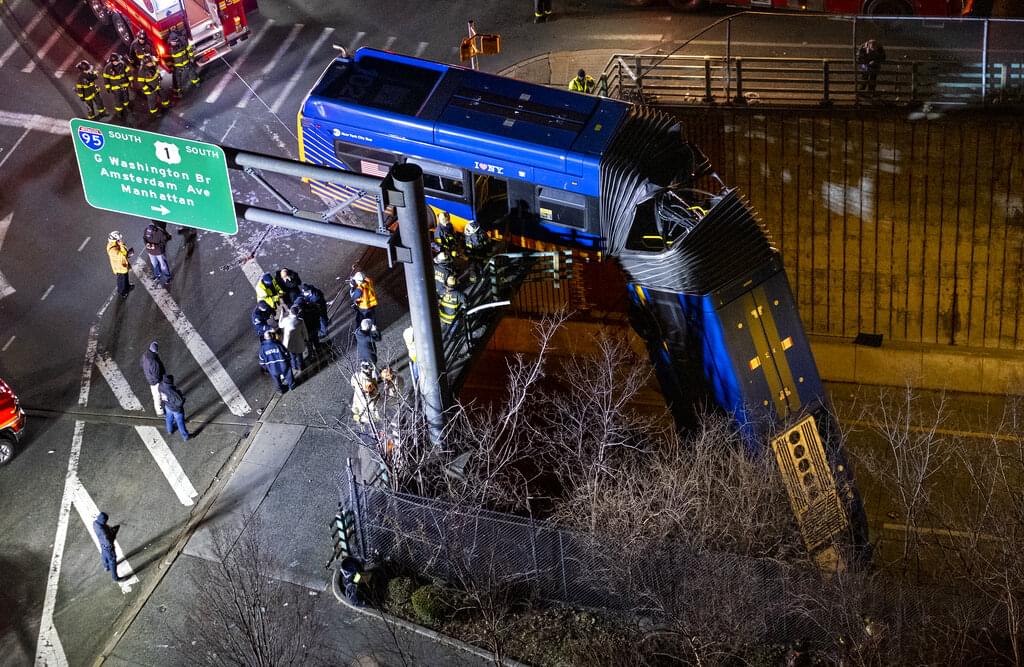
<point>469,118</point>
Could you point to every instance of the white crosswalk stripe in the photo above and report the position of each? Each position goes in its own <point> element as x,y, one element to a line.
<point>218,90</point>
<point>88,511</point>
<point>281,50</point>
<point>118,382</point>
<point>294,78</point>
<point>202,353</point>
<point>22,36</point>
<point>48,44</point>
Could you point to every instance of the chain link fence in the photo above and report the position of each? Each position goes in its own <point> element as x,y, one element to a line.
<point>753,599</point>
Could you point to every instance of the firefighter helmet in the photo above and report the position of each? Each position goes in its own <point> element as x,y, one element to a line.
<point>84,66</point>
<point>141,35</point>
<point>451,281</point>
<point>115,236</point>
<point>359,277</point>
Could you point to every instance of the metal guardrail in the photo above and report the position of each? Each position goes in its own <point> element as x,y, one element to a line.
<point>678,80</point>
<point>944,62</point>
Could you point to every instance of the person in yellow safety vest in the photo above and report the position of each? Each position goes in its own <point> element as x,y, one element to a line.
<point>364,297</point>
<point>444,235</point>
<point>117,80</point>
<point>452,306</point>
<point>147,78</point>
<point>118,253</point>
<point>583,83</point>
<point>87,90</point>
<point>183,64</point>
<point>269,291</point>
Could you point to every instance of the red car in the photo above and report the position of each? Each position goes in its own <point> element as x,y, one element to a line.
<point>12,422</point>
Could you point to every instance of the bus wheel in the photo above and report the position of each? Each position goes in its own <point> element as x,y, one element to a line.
<point>100,10</point>
<point>888,8</point>
<point>688,5</point>
<point>124,31</point>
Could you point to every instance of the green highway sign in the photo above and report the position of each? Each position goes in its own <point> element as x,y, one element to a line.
<point>154,176</point>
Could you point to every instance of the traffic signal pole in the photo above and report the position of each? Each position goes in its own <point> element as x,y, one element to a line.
<point>419,285</point>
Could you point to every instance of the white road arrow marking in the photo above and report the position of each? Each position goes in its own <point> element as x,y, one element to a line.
<point>202,353</point>
<point>5,287</point>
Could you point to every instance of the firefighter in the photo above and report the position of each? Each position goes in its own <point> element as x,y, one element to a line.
<point>452,306</point>
<point>88,91</point>
<point>117,80</point>
<point>147,78</point>
<point>140,49</point>
<point>442,269</point>
<point>364,297</point>
<point>541,11</point>
<point>477,243</point>
<point>183,64</point>
<point>444,235</point>
<point>583,83</point>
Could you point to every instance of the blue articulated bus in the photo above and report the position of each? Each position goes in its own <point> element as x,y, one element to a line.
<point>549,166</point>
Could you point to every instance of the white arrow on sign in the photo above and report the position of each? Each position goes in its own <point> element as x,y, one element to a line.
<point>5,287</point>
<point>162,210</point>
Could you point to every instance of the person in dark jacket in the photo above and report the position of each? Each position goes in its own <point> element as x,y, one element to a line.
<point>316,298</point>
<point>263,319</point>
<point>366,341</point>
<point>174,407</point>
<point>156,238</point>
<point>291,284</point>
<point>105,535</point>
<point>153,369</point>
<point>870,57</point>
<point>276,361</point>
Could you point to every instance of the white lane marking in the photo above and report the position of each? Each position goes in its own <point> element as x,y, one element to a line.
<point>7,344</point>
<point>237,65</point>
<point>250,267</point>
<point>650,37</point>
<point>228,131</point>
<point>31,66</point>
<point>356,41</point>
<point>249,94</point>
<point>6,289</point>
<point>294,78</point>
<point>168,464</point>
<point>88,511</point>
<point>49,651</point>
<point>33,121</point>
<point>80,51</point>
<point>421,48</point>
<point>87,239</point>
<point>14,147</point>
<point>202,353</point>
<point>46,293</point>
<point>391,42</point>
<point>22,37</point>
<point>118,382</point>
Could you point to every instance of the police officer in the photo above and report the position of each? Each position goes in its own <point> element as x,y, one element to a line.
<point>364,297</point>
<point>183,65</point>
<point>277,362</point>
<point>452,306</point>
<point>269,290</point>
<point>476,249</point>
<point>583,83</point>
<point>117,79</point>
<point>87,90</point>
<point>140,49</point>
<point>444,235</point>
<point>263,319</point>
<point>147,78</point>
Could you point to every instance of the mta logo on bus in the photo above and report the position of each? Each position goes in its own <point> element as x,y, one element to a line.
<point>91,137</point>
<point>489,168</point>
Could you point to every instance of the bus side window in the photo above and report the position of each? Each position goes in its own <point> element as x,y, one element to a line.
<point>562,208</point>
<point>442,180</point>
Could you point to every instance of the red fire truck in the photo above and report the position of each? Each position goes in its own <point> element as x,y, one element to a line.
<point>213,26</point>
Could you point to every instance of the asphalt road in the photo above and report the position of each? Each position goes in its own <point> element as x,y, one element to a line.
<point>72,351</point>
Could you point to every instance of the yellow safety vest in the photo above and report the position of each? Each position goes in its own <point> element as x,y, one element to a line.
<point>368,299</point>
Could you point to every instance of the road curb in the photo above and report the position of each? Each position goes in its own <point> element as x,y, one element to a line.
<point>124,622</point>
<point>433,635</point>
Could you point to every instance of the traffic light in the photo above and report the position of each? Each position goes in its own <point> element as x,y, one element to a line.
<point>479,45</point>
<point>490,44</point>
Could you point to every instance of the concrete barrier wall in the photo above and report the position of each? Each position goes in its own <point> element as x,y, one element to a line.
<point>910,229</point>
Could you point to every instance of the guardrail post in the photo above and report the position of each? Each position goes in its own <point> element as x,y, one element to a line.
<point>984,62</point>
<point>637,63</point>
<point>708,97</point>
<point>825,84</point>
<point>913,82</point>
<point>739,99</point>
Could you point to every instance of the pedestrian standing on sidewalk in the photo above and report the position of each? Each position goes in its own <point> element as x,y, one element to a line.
<point>105,535</point>
<point>316,299</point>
<point>870,57</point>
<point>156,238</point>
<point>366,341</point>
<point>153,369</point>
<point>276,361</point>
<point>364,296</point>
<point>269,290</point>
<point>293,330</point>
<point>263,319</point>
<point>118,253</point>
<point>290,284</point>
<point>174,407</point>
<point>365,397</point>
